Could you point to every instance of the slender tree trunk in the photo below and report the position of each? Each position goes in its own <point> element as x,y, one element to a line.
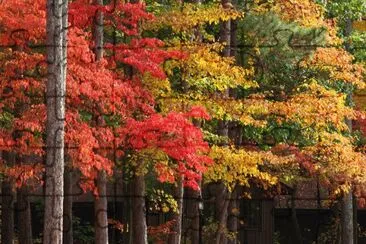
<point>192,196</point>
<point>24,216</point>
<point>221,213</point>
<point>355,221</point>
<point>175,238</point>
<point>225,35</point>
<point>100,202</point>
<point>7,212</point>
<point>295,221</point>
<point>56,90</point>
<point>233,215</point>
<point>68,177</point>
<point>336,212</point>
<point>98,32</point>
<point>193,216</point>
<point>100,210</point>
<point>221,203</point>
<point>138,211</point>
<point>68,216</point>
<point>347,219</point>
<point>347,202</point>
<point>236,135</point>
<point>7,203</point>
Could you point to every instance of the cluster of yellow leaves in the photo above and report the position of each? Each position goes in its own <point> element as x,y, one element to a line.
<point>316,106</point>
<point>206,69</point>
<point>339,64</point>
<point>338,163</point>
<point>183,19</point>
<point>204,74</point>
<point>141,160</point>
<point>157,87</point>
<point>162,202</point>
<point>262,7</point>
<point>305,12</point>
<point>245,111</point>
<point>331,35</point>
<point>237,166</point>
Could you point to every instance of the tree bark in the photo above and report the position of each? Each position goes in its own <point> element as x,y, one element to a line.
<point>225,35</point>
<point>55,92</point>
<point>100,210</point>
<point>24,216</point>
<point>235,135</point>
<point>193,215</point>
<point>98,32</point>
<point>7,203</point>
<point>355,220</point>
<point>139,227</point>
<point>175,238</point>
<point>347,222</point>
<point>233,215</point>
<point>347,219</point>
<point>7,213</point>
<point>100,202</point>
<point>295,221</point>
<point>221,203</point>
<point>68,216</point>
<point>221,212</point>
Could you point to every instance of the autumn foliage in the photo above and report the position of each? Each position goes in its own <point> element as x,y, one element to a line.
<point>98,92</point>
<point>155,106</point>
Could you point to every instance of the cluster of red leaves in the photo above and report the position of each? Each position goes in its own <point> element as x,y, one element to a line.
<point>303,159</point>
<point>177,137</point>
<point>122,16</point>
<point>360,124</point>
<point>145,55</point>
<point>116,224</point>
<point>94,88</point>
<point>23,21</point>
<point>160,233</point>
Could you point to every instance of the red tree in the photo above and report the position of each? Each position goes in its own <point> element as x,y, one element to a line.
<point>95,91</point>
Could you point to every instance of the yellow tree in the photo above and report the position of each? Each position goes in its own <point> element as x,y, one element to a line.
<point>311,107</point>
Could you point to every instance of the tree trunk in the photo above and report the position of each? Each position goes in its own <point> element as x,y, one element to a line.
<point>355,220</point>
<point>7,213</point>
<point>233,216</point>
<point>7,203</point>
<point>56,89</point>
<point>236,135</point>
<point>192,197</point>
<point>100,210</point>
<point>193,215</point>
<point>347,219</point>
<point>175,238</point>
<point>139,227</point>
<point>221,203</point>
<point>68,216</point>
<point>295,221</point>
<point>221,213</point>
<point>98,32</point>
<point>24,216</point>
<point>100,202</point>
<point>225,35</point>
